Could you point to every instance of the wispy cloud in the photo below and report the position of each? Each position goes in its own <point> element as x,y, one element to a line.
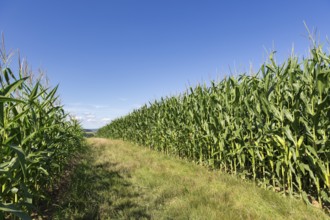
<point>78,118</point>
<point>122,99</point>
<point>106,119</point>
<point>89,115</point>
<point>94,116</point>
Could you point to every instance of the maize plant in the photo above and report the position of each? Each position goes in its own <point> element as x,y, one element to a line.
<point>36,140</point>
<point>272,126</point>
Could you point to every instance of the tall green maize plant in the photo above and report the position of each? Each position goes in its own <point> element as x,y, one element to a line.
<point>273,126</point>
<point>36,140</point>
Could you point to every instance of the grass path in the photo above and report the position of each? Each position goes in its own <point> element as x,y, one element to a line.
<point>118,180</point>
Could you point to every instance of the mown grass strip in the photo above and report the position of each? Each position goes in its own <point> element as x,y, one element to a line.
<point>119,180</point>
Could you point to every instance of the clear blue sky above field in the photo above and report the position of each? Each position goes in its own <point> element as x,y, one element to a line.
<point>110,57</point>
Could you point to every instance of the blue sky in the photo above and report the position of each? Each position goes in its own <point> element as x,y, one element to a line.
<point>110,57</point>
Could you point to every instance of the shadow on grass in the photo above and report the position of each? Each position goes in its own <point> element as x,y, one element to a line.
<point>98,191</point>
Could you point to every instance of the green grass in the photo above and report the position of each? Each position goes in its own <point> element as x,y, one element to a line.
<point>119,180</point>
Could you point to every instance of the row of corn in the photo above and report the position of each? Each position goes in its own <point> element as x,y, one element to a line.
<point>36,140</point>
<point>272,127</point>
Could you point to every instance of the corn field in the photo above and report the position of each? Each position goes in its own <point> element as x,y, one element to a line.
<point>272,127</point>
<point>36,140</point>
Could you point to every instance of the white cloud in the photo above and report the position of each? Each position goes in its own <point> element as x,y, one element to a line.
<point>94,116</point>
<point>90,116</point>
<point>78,118</point>
<point>106,119</point>
<point>91,120</point>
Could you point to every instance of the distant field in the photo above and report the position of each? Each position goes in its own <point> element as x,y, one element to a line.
<point>119,180</point>
<point>89,132</point>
